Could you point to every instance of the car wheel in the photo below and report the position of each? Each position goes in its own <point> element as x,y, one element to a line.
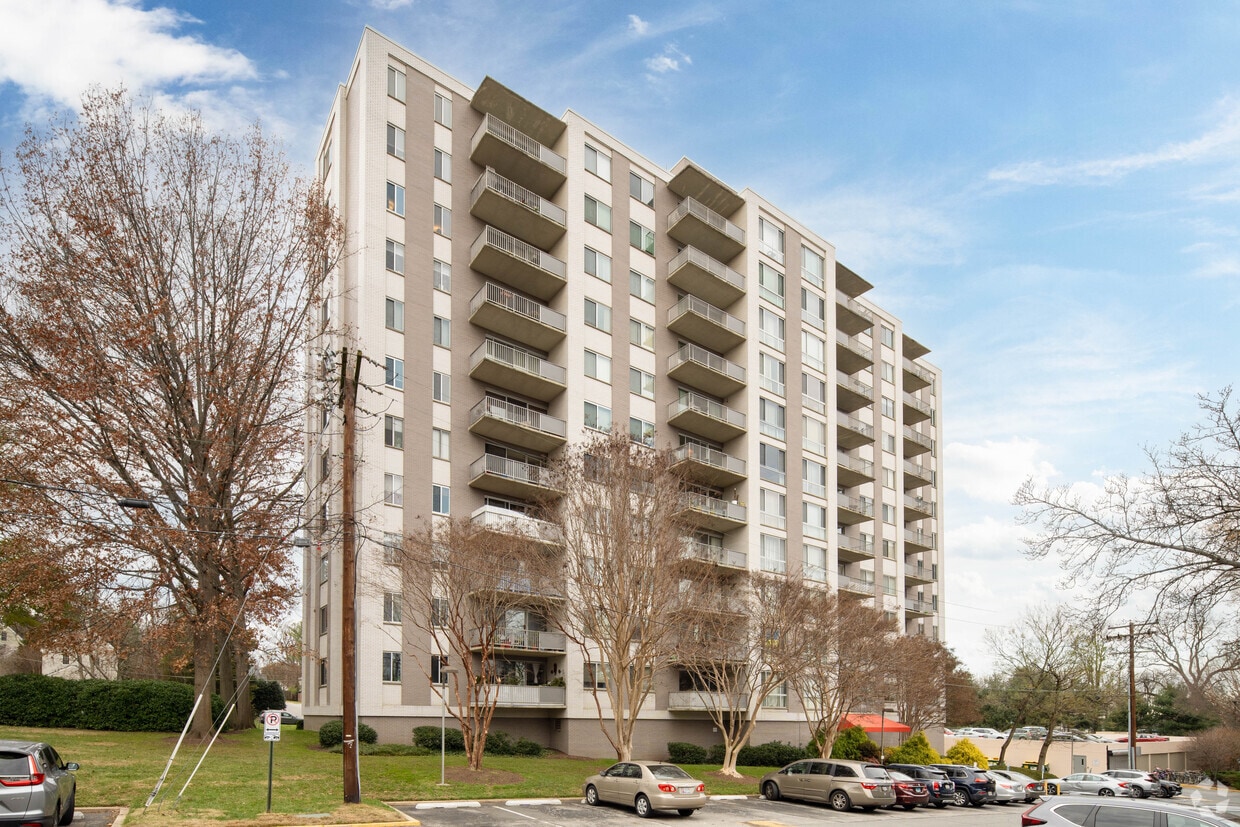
<point>978,802</point>
<point>56,817</point>
<point>67,817</point>
<point>1142,793</point>
<point>591,796</point>
<point>1105,791</point>
<point>687,812</point>
<point>960,798</point>
<point>839,801</point>
<point>642,805</point>
<point>771,791</point>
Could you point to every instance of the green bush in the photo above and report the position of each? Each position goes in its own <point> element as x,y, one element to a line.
<point>853,744</point>
<point>916,750</point>
<point>122,706</point>
<point>500,743</point>
<point>770,754</point>
<point>678,752</point>
<point>331,734</point>
<point>427,737</point>
<point>966,752</point>
<point>525,746</point>
<point>266,695</point>
<point>366,734</point>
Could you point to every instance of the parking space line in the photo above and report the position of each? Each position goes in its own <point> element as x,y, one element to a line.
<point>445,805</point>
<point>530,802</point>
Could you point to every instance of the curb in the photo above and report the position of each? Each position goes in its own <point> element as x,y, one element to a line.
<point>530,802</point>
<point>445,805</point>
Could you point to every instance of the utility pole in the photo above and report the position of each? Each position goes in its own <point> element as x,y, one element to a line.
<point>348,578</point>
<point>1130,632</point>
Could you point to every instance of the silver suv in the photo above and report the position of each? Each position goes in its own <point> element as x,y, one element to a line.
<point>1142,784</point>
<point>841,785</point>
<point>36,786</point>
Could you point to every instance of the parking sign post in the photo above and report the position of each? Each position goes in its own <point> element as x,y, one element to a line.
<point>271,734</point>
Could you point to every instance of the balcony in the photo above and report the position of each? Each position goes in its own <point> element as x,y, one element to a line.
<point>850,316</point>
<point>501,256</point>
<point>530,124</point>
<point>712,513</point>
<point>503,521</point>
<point>851,432</point>
<point>502,311</point>
<point>856,585</point>
<point>849,283</point>
<point>853,470</point>
<point>915,376</point>
<point>702,322</point>
<point>691,181</point>
<point>913,349</point>
<point>853,394</point>
<point>726,557</point>
<point>916,443</point>
<point>913,606</point>
<point>517,425</point>
<point>916,410</point>
<point>850,355</point>
<point>705,417</point>
<point>695,272</point>
<point>707,371</point>
<point>917,508</point>
<point>917,475</point>
<point>523,696</point>
<point>853,549</point>
<point>693,701</point>
<point>511,478</point>
<point>852,510</point>
<point>518,156</point>
<point>516,369</point>
<point>511,207</point>
<point>915,541</point>
<point>708,466</point>
<point>522,641</point>
<point>920,574</point>
<point>696,225</point>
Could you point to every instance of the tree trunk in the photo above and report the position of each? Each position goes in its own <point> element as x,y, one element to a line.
<point>204,660</point>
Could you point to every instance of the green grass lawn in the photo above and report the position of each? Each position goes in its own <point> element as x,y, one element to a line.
<point>121,769</point>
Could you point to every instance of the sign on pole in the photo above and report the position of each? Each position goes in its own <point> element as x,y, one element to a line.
<point>271,726</point>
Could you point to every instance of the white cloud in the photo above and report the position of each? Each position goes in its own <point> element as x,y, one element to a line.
<point>390,5</point>
<point>637,25</point>
<point>669,61</point>
<point>53,49</point>
<point>991,471</point>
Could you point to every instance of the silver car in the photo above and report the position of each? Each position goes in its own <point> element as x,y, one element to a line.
<point>36,785</point>
<point>1087,783</point>
<point>1118,812</point>
<point>1142,784</point>
<point>1006,790</point>
<point>841,785</point>
<point>1027,784</point>
<point>646,786</point>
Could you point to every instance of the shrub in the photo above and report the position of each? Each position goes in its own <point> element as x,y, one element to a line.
<point>966,752</point>
<point>525,746</point>
<point>366,734</point>
<point>266,695</point>
<point>331,734</point>
<point>123,706</point>
<point>916,750</point>
<point>500,743</point>
<point>427,737</point>
<point>854,745</point>
<point>770,754</point>
<point>678,752</point>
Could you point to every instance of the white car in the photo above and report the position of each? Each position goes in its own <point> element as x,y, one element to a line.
<point>987,732</point>
<point>1087,783</point>
<point>1006,790</point>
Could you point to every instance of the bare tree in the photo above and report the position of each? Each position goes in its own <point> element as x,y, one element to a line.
<point>1198,644</point>
<point>154,293</point>
<point>849,667</point>
<point>743,638</point>
<point>623,571</point>
<point>962,700</point>
<point>473,592</point>
<point>918,669</point>
<point>1174,532</point>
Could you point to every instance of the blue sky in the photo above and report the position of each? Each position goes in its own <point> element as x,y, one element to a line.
<point>1046,193</point>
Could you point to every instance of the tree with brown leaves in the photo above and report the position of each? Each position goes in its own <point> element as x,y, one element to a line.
<point>155,283</point>
<point>917,685</point>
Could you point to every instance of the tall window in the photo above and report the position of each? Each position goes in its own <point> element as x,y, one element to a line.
<point>814,520</point>
<point>395,198</point>
<point>396,141</point>
<point>888,372</point>
<point>813,350</point>
<point>598,366</point>
<point>813,308</point>
<point>441,499</point>
<point>641,431</point>
<point>441,331</point>
<point>641,237</point>
<point>771,329</point>
<point>772,373</point>
<point>394,256</point>
<point>814,478</point>
<point>439,663</point>
<point>443,166</point>
<point>598,162</point>
<point>594,676</point>
<point>598,315</point>
<point>773,461</point>
<point>391,607</point>
<point>441,387</point>
<point>813,267</point>
<point>641,189</point>
<point>774,554</point>
<point>394,314</point>
<point>394,489</point>
<point>641,383</point>
<point>598,265</point>
<point>442,218</point>
<point>814,435</point>
<point>772,417</point>
<point>394,373</point>
<point>441,276</point>
<point>771,239</point>
<point>439,612</point>
<point>396,83</point>
<point>597,417</point>
<point>393,431</point>
<point>773,507</point>
<point>391,667</point>
<point>598,213</point>
<point>441,443</point>
<point>641,286</point>
<point>813,392</point>
<point>889,407</point>
<point>889,336</point>
<point>443,110</point>
<point>770,284</point>
<point>641,334</point>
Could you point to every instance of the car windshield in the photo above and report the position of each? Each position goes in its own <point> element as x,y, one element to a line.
<point>896,775</point>
<point>877,772</point>
<point>668,772</point>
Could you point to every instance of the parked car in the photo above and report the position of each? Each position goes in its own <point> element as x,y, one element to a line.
<point>973,786</point>
<point>1064,812</point>
<point>841,785</point>
<point>286,718</point>
<point>1088,783</point>
<point>910,791</point>
<point>1006,790</point>
<point>36,785</point>
<point>1142,784</point>
<point>941,788</point>
<point>646,786</point>
<point>987,732</point>
<point>1027,783</point>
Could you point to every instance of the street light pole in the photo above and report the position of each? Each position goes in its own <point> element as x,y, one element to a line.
<point>443,721</point>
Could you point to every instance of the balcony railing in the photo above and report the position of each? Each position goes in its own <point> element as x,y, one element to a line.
<point>492,293</point>
<point>928,607</point>
<point>928,573</point>
<point>529,639</point>
<point>918,371</point>
<point>710,456</point>
<point>855,544</point>
<point>721,271</point>
<point>518,415</point>
<point>511,522</point>
<point>918,438</point>
<point>716,554</point>
<point>702,701</point>
<point>707,407</point>
<point>708,217</point>
<point>701,307</point>
<point>715,506</point>
<point>855,385</point>
<point>519,140</point>
<point>921,407</point>
<point>856,584</point>
<point>925,539</point>
<point>518,359</point>
<point>844,300</point>
<point>550,696</point>
<point>532,201</point>
<point>920,505</point>
<point>511,469</point>
<point>852,423</point>
<point>701,356</point>
<point>864,467</point>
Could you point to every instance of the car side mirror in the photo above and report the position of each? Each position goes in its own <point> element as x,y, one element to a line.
<point>73,766</point>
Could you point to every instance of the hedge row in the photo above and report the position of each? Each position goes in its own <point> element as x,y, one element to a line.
<point>123,706</point>
<point>498,743</point>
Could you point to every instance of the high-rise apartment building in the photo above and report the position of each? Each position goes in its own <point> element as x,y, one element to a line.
<point>521,279</point>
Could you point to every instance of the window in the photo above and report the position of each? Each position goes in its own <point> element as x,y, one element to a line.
<point>598,163</point>
<point>889,549</point>
<point>391,607</point>
<point>441,276</point>
<point>813,267</point>
<point>391,548</point>
<point>813,350</point>
<point>324,568</point>
<point>394,314</point>
<point>641,189</point>
<point>439,667</point>
<point>323,672</point>
<point>889,408</point>
<point>641,431</point>
<point>771,329</point>
<point>441,387</point>
<point>440,443</point>
<point>598,315</point>
<point>641,334</point>
<point>778,699</point>
<point>396,83</point>
<point>441,331</point>
<point>889,372</point>
<point>772,372</point>
<point>813,308</point>
<point>395,198</point>
<point>814,520</point>
<point>889,478</point>
<point>774,554</point>
<point>641,286</point>
<point>816,563</point>
<point>813,392</point>
<point>594,676</point>
<point>641,383</point>
<point>324,619</point>
<point>598,265</point>
<point>772,460</point>
<point>443,166</point>
<point>772,417</point>
<point>393,490</point>
<point>773,507</point>
<point>598,366</point>
<point>395,141</point>
<point>598,214</point>
<point>443,110</point>
<point>770,284</point>
<point>391,667</point>
<point>889,514</point>
<point>641,237</point>
<point>597,417</point>
<point>814,478</point>
<point>325,162</point>
<point>441,499</point>
<point>394,373</point>
<point>393,431</point>
<point>439,612</point>
<point>889,336</point>
<point>814,435</point>
<point>394,256</point>
<point>443,221</point>
<point>889,443</point>
<point>771,239</point>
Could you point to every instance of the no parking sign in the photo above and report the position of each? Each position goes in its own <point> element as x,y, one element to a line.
<point>271,726</point>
